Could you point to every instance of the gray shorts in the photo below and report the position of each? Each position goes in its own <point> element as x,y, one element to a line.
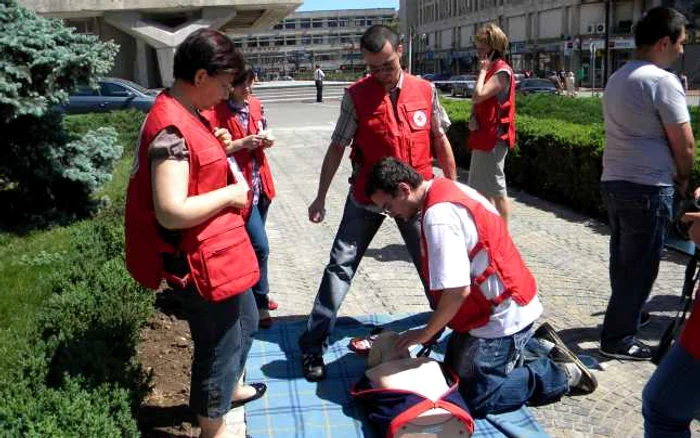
<point>486,173</point>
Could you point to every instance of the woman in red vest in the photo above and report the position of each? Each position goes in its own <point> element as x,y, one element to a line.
<point>244,118</point>
<point>671,398</point>
<point>184,224</point>
<point>492,124</point>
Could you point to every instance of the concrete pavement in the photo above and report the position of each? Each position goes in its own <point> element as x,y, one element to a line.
<point>567,252</point>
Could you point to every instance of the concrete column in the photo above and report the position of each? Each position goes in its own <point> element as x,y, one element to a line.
<point>166,56</point>
<point>141,64</point>
<point>163,38</point>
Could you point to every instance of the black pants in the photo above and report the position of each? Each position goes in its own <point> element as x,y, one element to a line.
<point>319,91</point>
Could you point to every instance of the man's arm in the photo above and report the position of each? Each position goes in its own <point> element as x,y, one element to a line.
<point>672,108</point>
<point>331,162</point>
<point>445,156</point>
<point>440,122</point>
<point>342,137</point>
<point>450,303</point>
<point>680,138</point>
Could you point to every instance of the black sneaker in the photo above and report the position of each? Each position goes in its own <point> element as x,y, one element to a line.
<point>644,319</point>
<point>587,383</point>
<point>635,350</point>
<point>312,367</point>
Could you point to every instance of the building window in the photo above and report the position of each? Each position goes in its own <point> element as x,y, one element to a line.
<point>237,43</point>
<point>291,41</point>
<point>277,26</point>
<point>289,24</point>
<point>360,22</point>
<point>318,40</point>
<point>305,40</point>
<point>305,23</point>
<point>252,42</point>
<point>332,22</point>
<point>264,42</point>
<point>279,41</point>
<point>317,23</point>
<point>343,22</point>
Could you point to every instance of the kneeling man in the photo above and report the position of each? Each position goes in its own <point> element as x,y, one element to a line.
<point>485,294</point>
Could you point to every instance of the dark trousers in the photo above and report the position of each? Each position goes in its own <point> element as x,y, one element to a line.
<point>639,216</point>
<point>319,91</point>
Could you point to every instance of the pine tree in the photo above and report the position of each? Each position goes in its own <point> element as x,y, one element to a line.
<point>45,171</point>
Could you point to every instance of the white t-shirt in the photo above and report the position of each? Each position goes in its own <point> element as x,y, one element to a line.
<point>450,235</point>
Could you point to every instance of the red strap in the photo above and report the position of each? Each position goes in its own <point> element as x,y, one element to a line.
<point>489,271</point>
<point>501,298</point>
<point>408,415</point>
<point>478,247</point>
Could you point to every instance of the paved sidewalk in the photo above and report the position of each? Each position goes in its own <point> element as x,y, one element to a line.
<point>567,253</point>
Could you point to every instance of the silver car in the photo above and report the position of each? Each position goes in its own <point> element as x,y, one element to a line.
<point>463,85</point>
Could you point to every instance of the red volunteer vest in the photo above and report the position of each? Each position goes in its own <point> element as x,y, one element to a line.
<point>221,116</point>
<point>504,259</point>
<point>690,336</point>
<point>383,132</point>
<point>491,115</point>
<point>219,253</point>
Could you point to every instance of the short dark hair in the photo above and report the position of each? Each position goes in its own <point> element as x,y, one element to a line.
<point>206,49</point>
<point>374,38</point>
<point>247,75</point>
<point>388,174</point>
<point>658,23</point>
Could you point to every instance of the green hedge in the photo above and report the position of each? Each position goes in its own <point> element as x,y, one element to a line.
<point>74,373</point>
<point>559,147</point>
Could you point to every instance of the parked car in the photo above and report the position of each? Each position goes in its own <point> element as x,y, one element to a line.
<point>112,94</point>
<point>533,86</point>
<point>442,82</point>
<point>463,85</point>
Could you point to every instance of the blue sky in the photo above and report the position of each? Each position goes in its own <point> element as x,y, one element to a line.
<point>324,5</point>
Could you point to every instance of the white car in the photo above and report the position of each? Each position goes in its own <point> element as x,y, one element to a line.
<point>463,85</point>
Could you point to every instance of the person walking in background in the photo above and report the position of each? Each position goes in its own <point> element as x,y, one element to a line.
<point>649,149</point>
<point>243,116</point>
<point>492,124</point>
<point>179,192</point>
<point>319,76</point>
<point>389,113</point>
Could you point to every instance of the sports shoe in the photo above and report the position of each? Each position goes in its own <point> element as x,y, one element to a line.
<point>581,379</point>
<point>634,350</point>
<point>546,332</point>
<point>312,367</point>
<point>644,319</point>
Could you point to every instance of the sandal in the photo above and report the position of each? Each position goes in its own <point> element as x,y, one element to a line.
<point>260,389</point>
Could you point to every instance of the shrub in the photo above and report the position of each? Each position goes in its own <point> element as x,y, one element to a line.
<point>73,372</point>
<point>47,175</point>
<point>559,147</point>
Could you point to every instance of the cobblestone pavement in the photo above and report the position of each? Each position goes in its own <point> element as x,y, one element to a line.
<point>567,253</point>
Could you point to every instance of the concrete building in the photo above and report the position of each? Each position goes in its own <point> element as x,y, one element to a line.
<point>544,34</point>
<point>148,31</point>
<point>303,39</point>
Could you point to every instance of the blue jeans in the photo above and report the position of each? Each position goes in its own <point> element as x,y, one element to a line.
<point>671,398</point>
<point>355,233</point>
<point>222,333</point>
<point>502,374</point>
<point>639,216</point>
<point>258,238</point>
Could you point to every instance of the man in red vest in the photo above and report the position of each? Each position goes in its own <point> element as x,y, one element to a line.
<point>386,114</point>
<point>484,293</point>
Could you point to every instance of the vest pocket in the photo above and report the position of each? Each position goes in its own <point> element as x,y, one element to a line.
<point>224,264</point>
